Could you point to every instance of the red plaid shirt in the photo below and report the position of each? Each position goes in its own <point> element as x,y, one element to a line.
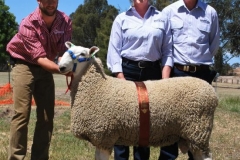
<point>34,40</point>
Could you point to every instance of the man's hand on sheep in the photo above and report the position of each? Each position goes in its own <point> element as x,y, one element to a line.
<point>120,75</point>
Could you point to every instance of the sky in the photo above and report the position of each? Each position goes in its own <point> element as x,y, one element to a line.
<point>24,7</point>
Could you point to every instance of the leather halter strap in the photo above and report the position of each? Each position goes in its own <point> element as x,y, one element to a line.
<point>69,84</point>
<point>143,100</point>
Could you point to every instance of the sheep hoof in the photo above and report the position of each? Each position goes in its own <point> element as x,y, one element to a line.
<point>202,156</point>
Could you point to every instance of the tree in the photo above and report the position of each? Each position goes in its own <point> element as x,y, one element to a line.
<point>235,65</point>
<point>160,4</point>
<point>92,23</point>
<point>103,33</point>
<point>228,13</point>
<point>8,28</point>
<point>86,20</point>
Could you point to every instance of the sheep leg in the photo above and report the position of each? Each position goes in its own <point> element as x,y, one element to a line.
<point>101,154</point>
<point>199,155</point>
<point>183,146</point>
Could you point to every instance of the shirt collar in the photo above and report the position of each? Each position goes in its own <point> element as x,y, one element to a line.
<point>132,9</point>
<point>199,4</point>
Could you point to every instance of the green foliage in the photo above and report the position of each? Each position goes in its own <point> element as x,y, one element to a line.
<point>8,28</point>
<point>228,14</point>
<point>160,4</point>
<point>229,23</point>
<point>235,65</point>
<point>103,33</point>
<point>92,24</point>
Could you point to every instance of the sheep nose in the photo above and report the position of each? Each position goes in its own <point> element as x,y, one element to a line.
<point>62,68</point>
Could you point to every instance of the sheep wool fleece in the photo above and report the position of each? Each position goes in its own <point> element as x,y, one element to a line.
<point>105,110</point>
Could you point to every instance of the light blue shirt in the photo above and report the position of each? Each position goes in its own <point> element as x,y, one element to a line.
<point>195,33</point>
<point>136,38</point>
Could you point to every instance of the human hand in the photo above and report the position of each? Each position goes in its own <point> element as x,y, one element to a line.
<point>120,75</point>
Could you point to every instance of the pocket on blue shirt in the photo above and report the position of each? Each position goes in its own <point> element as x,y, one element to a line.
<point>158,25</point>
<point>204,28</point>
<point>177,30</point>
<point>176,24</point>
<point>128,25</point>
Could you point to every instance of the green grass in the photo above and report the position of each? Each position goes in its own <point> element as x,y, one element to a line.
<point>230,103</point>
<point>64,146</point>
<point>224,141</point>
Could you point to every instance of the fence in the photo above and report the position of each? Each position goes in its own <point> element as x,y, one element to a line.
<point>6,97</point>
<point>228,79</point>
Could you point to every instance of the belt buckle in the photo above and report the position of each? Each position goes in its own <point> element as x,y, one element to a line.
<point>195,69</point>
<point>186,68</point>
<point>139,64</point>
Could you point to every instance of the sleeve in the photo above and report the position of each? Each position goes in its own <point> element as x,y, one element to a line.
<point>214,34</point>
<point>114,60</point>
<point>167,56</point>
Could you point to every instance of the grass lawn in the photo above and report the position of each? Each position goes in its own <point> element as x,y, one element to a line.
<point>224,143</point>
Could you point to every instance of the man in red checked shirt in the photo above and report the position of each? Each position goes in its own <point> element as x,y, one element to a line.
<point>39,41</point>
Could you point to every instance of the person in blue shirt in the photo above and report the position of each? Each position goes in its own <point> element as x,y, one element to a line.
<point>195,32</point>
<point>140,48</point>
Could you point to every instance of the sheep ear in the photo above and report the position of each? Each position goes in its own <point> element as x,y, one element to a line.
<point>69,44</point>
<point>93,50</point>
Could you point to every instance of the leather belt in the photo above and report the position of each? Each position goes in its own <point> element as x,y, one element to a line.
<point>142,64</point>
<point>19,61</point>
<point>144,119</point>
<point>191,68</point>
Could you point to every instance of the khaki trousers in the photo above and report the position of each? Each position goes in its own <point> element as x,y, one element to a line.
<point>31,81</point>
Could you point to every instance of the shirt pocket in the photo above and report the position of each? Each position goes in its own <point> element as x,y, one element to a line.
<point>129,32</point>
<point>177,30</point>
<point>158,25</point>
<point>204,28</point>
<point>157,30</point>
<point>128,25</point>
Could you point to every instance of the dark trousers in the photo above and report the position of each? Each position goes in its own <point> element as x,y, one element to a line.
<point>207,75</point>
<point>169,152</point>
<point>132,72</point>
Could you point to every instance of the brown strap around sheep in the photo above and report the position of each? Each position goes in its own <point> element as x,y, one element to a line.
<point>144,114</point>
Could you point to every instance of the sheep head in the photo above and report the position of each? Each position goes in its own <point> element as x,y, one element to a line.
<point>75,58</point>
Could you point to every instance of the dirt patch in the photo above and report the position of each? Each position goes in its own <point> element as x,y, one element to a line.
<point>6,112</point>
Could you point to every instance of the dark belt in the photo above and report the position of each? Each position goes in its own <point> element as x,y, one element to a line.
<point>191,68</point>
<point>142,64</point>
<point>19,61</point>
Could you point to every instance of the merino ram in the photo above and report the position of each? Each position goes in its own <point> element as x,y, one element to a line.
<point>104,109</point>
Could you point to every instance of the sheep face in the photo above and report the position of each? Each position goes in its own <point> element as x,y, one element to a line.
<point>75,58</point>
